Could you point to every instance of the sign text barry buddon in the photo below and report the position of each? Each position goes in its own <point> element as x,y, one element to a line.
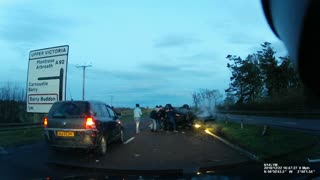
<point>46,78</point>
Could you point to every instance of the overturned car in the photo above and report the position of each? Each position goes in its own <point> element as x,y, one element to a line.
<point>185,116</point>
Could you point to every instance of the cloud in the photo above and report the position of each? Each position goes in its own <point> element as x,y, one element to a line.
<point>242,38</point>
<point>144,72</point>
<point>204,64</point>
<point>161,67</point>
<point>25,25</point>
<point>202,56</point>
<point>176,72</point>
<point>96,73</point>
<point>175,41</point>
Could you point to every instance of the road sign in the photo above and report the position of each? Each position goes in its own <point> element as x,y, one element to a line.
<point>47,74</point>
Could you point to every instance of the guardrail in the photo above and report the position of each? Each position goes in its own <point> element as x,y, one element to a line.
<point>3,125</point>
<point>17,126</point>
<point>273,112</point>
<point>242,120</point>
<point>296,114</point>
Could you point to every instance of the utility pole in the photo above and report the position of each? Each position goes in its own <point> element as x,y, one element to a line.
<point>84,77</point>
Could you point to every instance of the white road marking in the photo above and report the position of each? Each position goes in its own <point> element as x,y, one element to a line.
<point>289,122</point>
<point>129,140</point>
<point>2,151</point>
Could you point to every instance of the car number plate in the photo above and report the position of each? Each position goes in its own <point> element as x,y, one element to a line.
<point>65,133</point>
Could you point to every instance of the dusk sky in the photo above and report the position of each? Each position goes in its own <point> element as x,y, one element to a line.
<point>143,51</point>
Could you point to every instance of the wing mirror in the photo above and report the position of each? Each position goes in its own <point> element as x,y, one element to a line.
<point>296,23</point>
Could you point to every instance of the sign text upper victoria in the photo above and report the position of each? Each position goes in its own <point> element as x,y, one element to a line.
<point>47,72</point>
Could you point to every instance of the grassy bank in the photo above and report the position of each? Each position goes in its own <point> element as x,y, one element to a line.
<point>127,114</point>
<point>20,136</point>
<point>278,143</point>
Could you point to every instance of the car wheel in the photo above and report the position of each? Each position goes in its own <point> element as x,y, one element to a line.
<point>103,146</point>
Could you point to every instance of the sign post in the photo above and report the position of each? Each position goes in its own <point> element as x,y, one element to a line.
<point>47,74</point>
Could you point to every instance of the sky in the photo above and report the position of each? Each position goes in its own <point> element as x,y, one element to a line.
<point>146,52</point>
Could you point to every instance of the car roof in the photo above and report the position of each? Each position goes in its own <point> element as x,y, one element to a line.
<point>88,101</point>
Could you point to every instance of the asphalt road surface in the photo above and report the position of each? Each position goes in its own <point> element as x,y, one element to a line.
<point>178,154</point>
<point>184,151</point>
<point>304,125</point>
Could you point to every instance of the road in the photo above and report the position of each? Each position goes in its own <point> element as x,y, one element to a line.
<point>183,152</point>
<point>305,125</point>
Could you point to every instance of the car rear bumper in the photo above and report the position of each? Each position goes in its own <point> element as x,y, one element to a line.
<point>82,138</point>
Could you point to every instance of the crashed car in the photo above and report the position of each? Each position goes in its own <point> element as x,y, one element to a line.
<point>205,118</point>
<point>186,116</point>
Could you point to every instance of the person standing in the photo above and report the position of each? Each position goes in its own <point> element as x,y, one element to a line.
<point>137,116</point>
<point>160,118</point>
<point>153,117</point>
<point>171,118</point>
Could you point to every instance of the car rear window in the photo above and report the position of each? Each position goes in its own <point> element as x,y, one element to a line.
<point>68,109</point>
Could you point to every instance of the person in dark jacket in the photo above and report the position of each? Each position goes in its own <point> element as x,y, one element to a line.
<point>171,114</point>
<point>160,118</point>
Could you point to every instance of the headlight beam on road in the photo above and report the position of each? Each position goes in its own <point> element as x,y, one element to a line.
<point>197,126</point>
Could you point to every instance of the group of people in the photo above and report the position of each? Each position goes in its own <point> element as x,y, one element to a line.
<point>161,118</point>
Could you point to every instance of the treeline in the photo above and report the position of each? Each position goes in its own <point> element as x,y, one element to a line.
<point>263,82</point>
<point>13,104</point>
<point>206,99</point>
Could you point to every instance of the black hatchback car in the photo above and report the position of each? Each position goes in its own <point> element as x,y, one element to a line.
<point>82,124</point>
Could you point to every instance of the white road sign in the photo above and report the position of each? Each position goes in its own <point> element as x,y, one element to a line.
<point>47,74</point>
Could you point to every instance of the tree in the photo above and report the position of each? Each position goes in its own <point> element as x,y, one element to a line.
<point>289,75</point>
<point>252,78</point>
<point>196,97</point>
<point>206,97</point>
<point>268,66</point>
<point>236,85</point>
<point>246,83</point>
<point>217,96</point>
<point>229,100</point>
<point>261,77</point>
<point>12,103</point>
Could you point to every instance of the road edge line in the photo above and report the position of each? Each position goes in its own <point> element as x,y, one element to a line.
<point>243,151</point>
<point>129,140</point>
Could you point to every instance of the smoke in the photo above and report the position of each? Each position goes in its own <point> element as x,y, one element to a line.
<point>205,111</point>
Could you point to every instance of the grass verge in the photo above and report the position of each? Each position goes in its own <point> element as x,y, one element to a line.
<point>126,118</point>
<point>20,136</point>
<point>278,143</point>
<point>127,115</point>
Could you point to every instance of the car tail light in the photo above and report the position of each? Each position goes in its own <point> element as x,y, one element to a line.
<point>90,123</point>
<point>45,121</point>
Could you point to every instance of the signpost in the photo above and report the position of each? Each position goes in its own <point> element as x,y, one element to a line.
<point>47,74</point>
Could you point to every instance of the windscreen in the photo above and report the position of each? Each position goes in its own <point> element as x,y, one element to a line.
<point>68,109</point>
